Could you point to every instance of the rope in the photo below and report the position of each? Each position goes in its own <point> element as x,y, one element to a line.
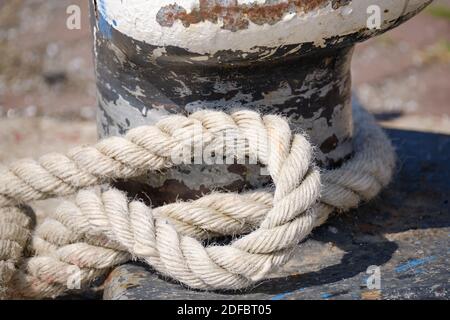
<point>100,230</point>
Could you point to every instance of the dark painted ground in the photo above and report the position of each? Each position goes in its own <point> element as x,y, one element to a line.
<point>406,232</point>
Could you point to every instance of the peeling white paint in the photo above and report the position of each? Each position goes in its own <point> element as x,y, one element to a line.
<point>138,92</point>
<point>200,58</point>
<point>211,176</point>
<point>277,97</point>
<point>224,87</point>
<point>137,19</point>
<point>183,90</point>
<point>239,100</point>
<point>159,52</point>
<point>135,117</point>
<point>322,130</point>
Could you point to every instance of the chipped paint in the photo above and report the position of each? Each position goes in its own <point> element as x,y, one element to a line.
<point>137,93</point>
<point>218,176</point>
<point>104,26</point>
<point>285,295</point>
<point>267,60</point>
<point>337,134</point>
<point>115,122</point>
<point>412,264</point>
<point>234,16</point>
<point>322,20</point>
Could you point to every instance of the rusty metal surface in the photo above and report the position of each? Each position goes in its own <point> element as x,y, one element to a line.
<point>217,11</point>
<point>235,16</point>
<point>406,232</point>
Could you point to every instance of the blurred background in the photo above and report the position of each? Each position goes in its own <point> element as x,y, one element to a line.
<point>47,85</point>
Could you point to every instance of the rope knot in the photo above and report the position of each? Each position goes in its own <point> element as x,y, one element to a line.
<point>100,230</point>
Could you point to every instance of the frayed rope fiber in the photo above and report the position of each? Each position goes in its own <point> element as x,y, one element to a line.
<point>100,230</point>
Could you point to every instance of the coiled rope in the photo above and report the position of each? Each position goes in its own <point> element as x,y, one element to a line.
<point>100,230</point>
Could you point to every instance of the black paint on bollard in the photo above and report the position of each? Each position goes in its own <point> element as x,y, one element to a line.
<point>293,58</point>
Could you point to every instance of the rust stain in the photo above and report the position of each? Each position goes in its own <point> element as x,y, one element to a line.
<point>237,16</point>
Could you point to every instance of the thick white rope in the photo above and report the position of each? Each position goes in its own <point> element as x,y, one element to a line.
<point>101,230</point>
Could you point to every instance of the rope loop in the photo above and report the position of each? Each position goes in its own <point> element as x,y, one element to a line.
<point>100,230</point>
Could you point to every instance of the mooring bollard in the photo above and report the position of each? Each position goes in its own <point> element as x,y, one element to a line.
<point>291,57</point>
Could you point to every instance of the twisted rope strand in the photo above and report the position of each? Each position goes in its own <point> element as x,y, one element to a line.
<point>100,231</point>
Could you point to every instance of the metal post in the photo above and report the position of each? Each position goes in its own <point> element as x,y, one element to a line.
<point>291,57</point>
